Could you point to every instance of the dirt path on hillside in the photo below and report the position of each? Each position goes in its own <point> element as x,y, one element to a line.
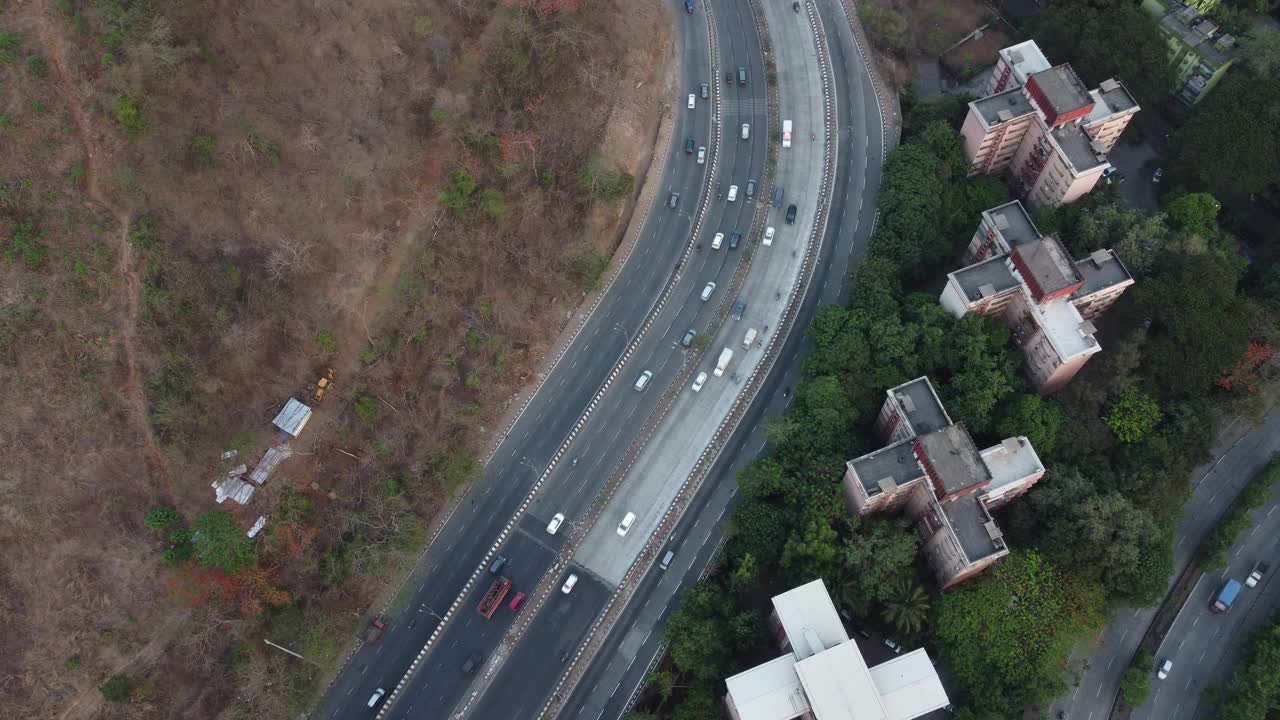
<point>157,469</point>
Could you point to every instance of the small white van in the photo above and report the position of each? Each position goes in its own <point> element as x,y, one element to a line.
<point>750,338</point>
<point>768,236</point>
<point>642,382</point>
<point>746,131</point>
<point>733,193</point>
<point>625,525</point>
<point>717,241</point>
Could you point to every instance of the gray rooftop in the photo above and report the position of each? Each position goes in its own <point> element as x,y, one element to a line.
<point>1081,154</point>
<point>921,404</point>
<point>1116,96</point>
<point>955,459</point>
<point>992,272</point>
<point>1014,224</point>
<point>1199,35</point>
<point>969,520</point>
<point>1062,88</point>
<point>1004,106</point>
<point>1049,264</point>
<point>1101,270</point>
<point>895,462</point>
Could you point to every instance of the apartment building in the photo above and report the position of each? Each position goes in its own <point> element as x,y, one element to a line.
<point>1040,125</point>
<point>1047,299</point>
<point>1199,52</point>
<point>931,470</point>
<point>822,674</point>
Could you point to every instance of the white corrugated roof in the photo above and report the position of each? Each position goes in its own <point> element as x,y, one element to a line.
<point>234,488</point>
<point>768,692</point>
<point>808,608</point>
<point>268,464</point>
<point>257,526</point>
<point>909,686</point>
<point>293,417</point>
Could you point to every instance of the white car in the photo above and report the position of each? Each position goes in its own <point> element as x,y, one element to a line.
<point>733,193</point>
<point>717,241</point>
<point>893,645</point>
<point>768,236</point>
<point>377,696</point>
<point>625,525</point>
<point>554,525</point>
<point>706,291</point>
<point>702,155</point>
<point>1165,669</point>
<point>693,101</point>
<point>567,587</point>
<point>699,381</point>
<point>746,131</point>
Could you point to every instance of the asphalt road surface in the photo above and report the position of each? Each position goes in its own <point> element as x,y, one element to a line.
<point>1217,483</point>
<point>538,434</point>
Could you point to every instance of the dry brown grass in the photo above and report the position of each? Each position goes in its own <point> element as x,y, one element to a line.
<point>307,235</point>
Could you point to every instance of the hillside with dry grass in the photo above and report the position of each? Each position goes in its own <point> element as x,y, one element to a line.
<point>206,206</point>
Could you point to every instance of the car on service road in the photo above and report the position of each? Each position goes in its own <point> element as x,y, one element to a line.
<point>1165,668</point>
<point>699,381</point>
<point>768,236</point>
<point>567,587</point>
<point>791,214</point>
<point>625,525</point>
<point>554,526</point>
<point>702,155</point>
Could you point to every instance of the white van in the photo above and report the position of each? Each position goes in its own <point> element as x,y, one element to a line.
<point>750,338</point>
<point>642,382</point>
<point>746,131</point>
<point>716,241</point>
<point>768,236</point>
<point>625,525</point>
<point>706,291</point>
<point>733,193</point>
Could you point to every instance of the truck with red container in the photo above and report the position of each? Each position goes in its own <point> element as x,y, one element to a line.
<point>493,597</point>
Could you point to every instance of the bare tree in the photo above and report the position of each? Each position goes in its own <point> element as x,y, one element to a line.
<point>290,257</point>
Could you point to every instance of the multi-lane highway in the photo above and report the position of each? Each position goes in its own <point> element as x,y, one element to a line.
<point>572,388</point>
<point>1235,461</point>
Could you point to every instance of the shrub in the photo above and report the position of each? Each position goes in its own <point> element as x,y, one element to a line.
<point>129,115</point>
<point>456,195</point>
<point>263,145</point>
<point>25,243</point>
<point>8,48</point>
<point>204,149</point>
<point>1213,551</point>
<point>366,408</point>
<point>37,67</point>
<point>118,688</point>
<point>72,664</point>
<point>162,518</point>
<point>326,342</point>
<point>1135,684</point>
<point>587,268</point>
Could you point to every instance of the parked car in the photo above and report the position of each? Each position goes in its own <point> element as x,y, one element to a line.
<point>1159,174</point>
<point>893,645</point>
<point>554,526</point>
<point>1165,668</point>
<point>517,601</point>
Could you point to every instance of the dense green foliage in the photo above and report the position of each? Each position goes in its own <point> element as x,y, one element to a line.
<point>1254,692</point>
<point>1087,33</point>
<point>220,542</point>
<point>1135,684</point>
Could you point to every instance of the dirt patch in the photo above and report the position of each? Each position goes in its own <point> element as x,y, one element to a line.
<point>902,31</point>
<point>206,206</point>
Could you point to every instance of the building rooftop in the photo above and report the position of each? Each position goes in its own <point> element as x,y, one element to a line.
<point>1101,270</point>
<point>1009,462</point>
<point>923,409</point>
<point>1026,59</point>
<point>896,463</point>
<point>953,459</point>
<point>973,527</point>
<point>1186,24</point>
<point>1081,152</point>
<point>908,686</point>
<point>1046,267</point>
<point>1110,98</point>
<point>293,417</point>
<point>1013,223</point>
<point>809,619</point>
<point>769,691</point>
<point>1062,88</point>
<point>1004,106</point>
<point>1066,329</point>
<point>989,277</point>
<point>839,685</point>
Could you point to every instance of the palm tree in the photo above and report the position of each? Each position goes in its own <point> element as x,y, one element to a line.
<point>907,611</point>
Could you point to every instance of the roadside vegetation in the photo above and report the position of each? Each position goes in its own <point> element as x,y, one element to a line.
<point>1254,690</point>
<point>1187,346</point>
<point>190,234</point>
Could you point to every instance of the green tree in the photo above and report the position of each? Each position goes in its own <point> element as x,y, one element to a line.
<point>118,688</point>
<point>1132,415</point>
<point>220,542</point>
<point>908,610</point>
<point>1086,33</point>
<point>812,553</point>
<point>457,193</point>
<point>1006,637</point>
<point>1254,690</point>
<point>162,517</point>
<point>1223,146</point>
<point>1032,416</point>
<point>1135,684</point>
<point>1195,213</point>
<point>878,554</point>
<point>1106,223</point>
<point>697,632</point>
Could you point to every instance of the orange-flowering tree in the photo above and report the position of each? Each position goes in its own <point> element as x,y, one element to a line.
<point>1244,374</point>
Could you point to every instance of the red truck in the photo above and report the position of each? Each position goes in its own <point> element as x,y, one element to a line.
<point>493,597</point>
<point>374,633</point>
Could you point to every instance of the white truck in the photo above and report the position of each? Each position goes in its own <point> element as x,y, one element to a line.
<point>749,339</point>
<point>786,133</point>
<point>725,356</point>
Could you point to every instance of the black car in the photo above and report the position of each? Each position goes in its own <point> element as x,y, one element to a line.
<point>728,77</point>
<point>473,662</point>
<point>689,335</point>
<point>688,146</point>
<point>674,200</point>
<point>739,308</point>
<point>734,239</point>
<point>791,213</point>
<point>706,91</point>
<point>751,189</point>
